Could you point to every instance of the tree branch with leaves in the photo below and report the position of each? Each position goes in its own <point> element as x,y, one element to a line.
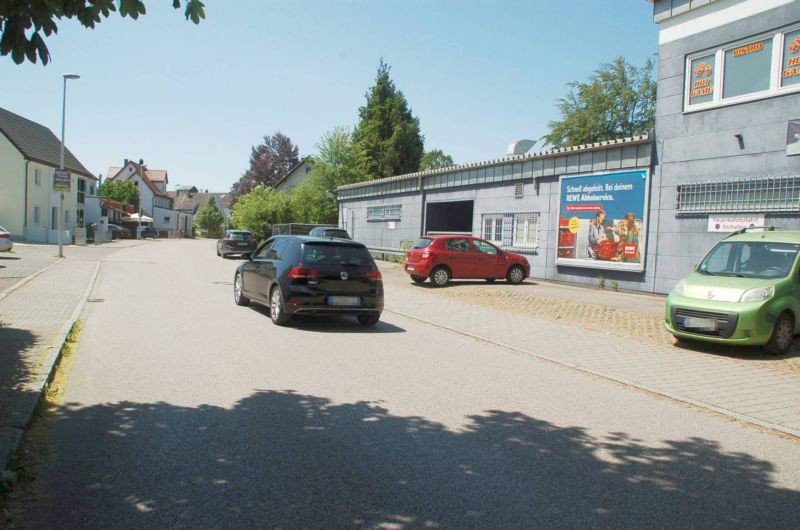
<point>23,22</point>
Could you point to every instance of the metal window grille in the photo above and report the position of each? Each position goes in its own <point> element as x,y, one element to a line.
<point>389,212</point>
<point>518,190</point>
<point>765,194</point>
<point>515,230</point>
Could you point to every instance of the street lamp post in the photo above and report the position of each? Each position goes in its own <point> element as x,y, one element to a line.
<point>60,223</point>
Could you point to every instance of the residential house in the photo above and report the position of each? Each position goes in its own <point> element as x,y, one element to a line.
<point>295,176</point>
<point>29,155</point>
<point>189,200</point>
<point>153,198</point>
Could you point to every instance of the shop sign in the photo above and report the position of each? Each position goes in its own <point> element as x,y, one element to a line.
<point>793,138</point>
<point>61,180</point>
<point>602,221</point>
<point>732,224</point>
<point>790,73</point>
<point>701,78</point>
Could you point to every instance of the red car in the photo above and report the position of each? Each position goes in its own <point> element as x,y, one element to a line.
<point>445,257</point>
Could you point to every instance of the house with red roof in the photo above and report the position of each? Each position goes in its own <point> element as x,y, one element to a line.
<point>153,198</point>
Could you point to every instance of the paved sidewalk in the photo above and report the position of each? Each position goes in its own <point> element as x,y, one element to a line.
<point>37,316</point>
<point>744,391</point>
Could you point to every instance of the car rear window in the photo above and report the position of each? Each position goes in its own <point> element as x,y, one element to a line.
<point>337,233</point>
<point>241,235</point>
<point>422,242</point>
<point>333,254</point>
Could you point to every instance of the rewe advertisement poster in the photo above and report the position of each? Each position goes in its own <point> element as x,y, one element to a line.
<point>601,221</point>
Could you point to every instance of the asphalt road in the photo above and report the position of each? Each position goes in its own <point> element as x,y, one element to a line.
<point>186,411</point>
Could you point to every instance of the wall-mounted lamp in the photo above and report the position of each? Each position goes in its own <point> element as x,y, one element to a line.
<point>740,139</point>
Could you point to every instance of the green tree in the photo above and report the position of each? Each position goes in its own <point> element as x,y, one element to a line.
<point>22,22</point>
<point>388,135</point>
<point>209,217</point>
<point>120,190</point>
<point>337,163</point>
<point>258,210</point>
<point>434,160</point>
<point>617,101</point>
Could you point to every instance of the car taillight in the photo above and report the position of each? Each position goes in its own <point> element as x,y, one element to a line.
<point>253,241</point>
<point>374,275</point>
<point>302,273</point>
<point>426,254</point>
<point>230,241</point>
<point>5,236</point>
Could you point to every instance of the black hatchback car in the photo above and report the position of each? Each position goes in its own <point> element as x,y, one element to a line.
<point>308,275</point>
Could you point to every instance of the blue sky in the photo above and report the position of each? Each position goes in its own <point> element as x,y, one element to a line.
<point>478,74</point>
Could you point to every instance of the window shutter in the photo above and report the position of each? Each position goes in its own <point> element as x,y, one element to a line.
<point>518,189</point>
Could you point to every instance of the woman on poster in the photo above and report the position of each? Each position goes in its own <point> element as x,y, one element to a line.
<point>631,237</point>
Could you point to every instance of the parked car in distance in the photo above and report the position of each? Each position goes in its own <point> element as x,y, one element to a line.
<point>236,242</point>
<point>442,258</point>
<point>118,231</point>
<point>5,240</point>
<point>145,231</point>
<point>746,290</point>
<point>321,231</point>
<point>294,275</point>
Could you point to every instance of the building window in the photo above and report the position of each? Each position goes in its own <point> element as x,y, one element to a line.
<point>91,189</point>
<point>754,195</point>
<point>526,230</point>
<point>80,218</point>
<point>389,212</point>
<point>54,218</point>
<point>81,191</point>
<point>37,177</point>
<point>166,218</point>
<point>66,217</point>
<point>747,68</point>
<point>492,228</point>
<point>517,230</point>
<point>36,215</point>
<point>764,66</point>
<point>790,73</point>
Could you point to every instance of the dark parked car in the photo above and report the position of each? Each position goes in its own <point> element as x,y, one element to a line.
<point>321,231</point>
<point>443,258</point>
<point>147,231</point>
<point>307,275</point>
<point>236,242</point>
<point>118,232</point>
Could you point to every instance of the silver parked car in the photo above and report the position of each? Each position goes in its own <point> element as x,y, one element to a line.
<point>5,240</point>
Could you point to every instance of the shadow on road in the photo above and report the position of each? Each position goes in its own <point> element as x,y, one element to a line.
<point>455,284</point>
<point>286,460</point>
<point>14,370</point>
<point>2,257</point>
<point>748,353</point>
<point>331,323</point>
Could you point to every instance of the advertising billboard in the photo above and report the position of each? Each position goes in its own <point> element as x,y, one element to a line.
<point>602,220</point>
<point>61,180</point>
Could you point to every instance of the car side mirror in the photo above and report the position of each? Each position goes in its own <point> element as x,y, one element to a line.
<point>247,256</point>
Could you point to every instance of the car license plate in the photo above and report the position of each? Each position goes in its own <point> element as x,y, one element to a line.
<point>706,324</point>
<point>241,243</point>
<point>344,300</point>
<point>409,267</point>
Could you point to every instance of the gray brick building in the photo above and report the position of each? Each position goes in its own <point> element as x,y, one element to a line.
<point>725,153</point>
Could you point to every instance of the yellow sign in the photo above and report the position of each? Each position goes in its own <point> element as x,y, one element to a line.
<point>574,224</point>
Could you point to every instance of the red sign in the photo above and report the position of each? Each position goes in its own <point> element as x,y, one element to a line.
<point>584,207</point>
<point>630,249</point>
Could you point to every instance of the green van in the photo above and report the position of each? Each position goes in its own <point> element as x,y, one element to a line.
<point>746,290</point>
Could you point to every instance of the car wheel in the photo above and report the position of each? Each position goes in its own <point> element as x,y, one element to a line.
<point>238,291</point>
<point>440,276</point>
<point>369,319</point>
<point>217,251</point>
<point>782,335</point>
<point>224,256</point>
<point>516,275</point>
<point>277,313</point>
<point>490,280</point>
<point>418,279</point>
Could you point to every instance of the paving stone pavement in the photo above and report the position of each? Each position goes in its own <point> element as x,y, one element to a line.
<point>36,317</point>
<point>747,391</point>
